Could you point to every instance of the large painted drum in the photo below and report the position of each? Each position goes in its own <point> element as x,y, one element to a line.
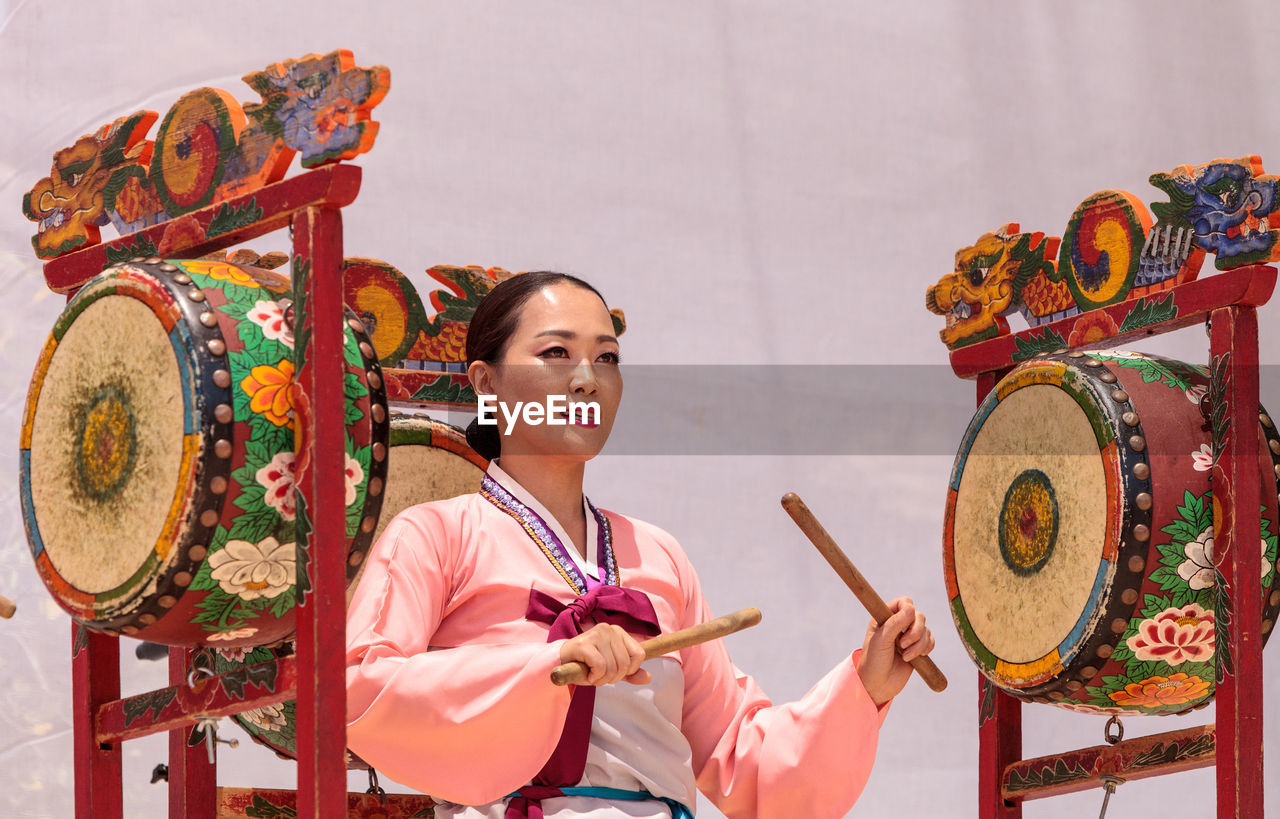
<point>428,460</point>
<point>1078,543</point>
<point>157,454</point>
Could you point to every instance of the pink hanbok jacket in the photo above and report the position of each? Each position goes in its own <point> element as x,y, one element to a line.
<point>448,687</point>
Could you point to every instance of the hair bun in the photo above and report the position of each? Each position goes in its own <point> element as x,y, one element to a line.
<point>485,440</point>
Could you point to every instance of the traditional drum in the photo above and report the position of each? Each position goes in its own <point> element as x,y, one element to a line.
<point>1078,542</point>
<point>428,460</point>
<point>157,454</point>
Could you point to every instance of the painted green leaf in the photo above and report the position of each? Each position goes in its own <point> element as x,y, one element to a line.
<point>445,390</point>
<point>303,533</point>
<point>264,674</point>
<point>154,701</point>
<point>1056,774</point>
<point>257,452</point>
<point>1184,596</point>
<point>351,350</point>
<point>142,247</point>
<point>281,604</point>
<point>1204,671</point>
<point>1167,578</point>
<point>256,525</point>
<point>1144,669</point>
<point>987,708</point>
<point>228,218</point>
<point>262,809</point>
<point>1146,313</point>
<point>1031,346</point>
<point>1162,754</point>
<point>1172,553</point>
<point>1154,604</point>
<point>1122,654</point>
<point>1222,627</point>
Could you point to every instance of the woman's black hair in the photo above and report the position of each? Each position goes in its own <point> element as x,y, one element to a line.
<point>492,326</point>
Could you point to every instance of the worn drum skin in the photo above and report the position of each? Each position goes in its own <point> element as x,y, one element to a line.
<point>428,460</point>
<point>1078,541</point>
<point>157,454</point>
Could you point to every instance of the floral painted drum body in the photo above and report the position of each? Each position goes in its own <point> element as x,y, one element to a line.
<point>428,460</point>
<point>1078,539</point>
<point>157,454</point>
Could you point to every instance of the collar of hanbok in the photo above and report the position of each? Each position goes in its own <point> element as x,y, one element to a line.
<point>581,574</point>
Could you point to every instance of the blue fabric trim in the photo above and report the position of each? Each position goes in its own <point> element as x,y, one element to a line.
<point>678,809</point>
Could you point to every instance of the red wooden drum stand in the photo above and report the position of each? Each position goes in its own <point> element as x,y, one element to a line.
<point>310,204</point>
<point>982,348</point>
<point>212,178</point>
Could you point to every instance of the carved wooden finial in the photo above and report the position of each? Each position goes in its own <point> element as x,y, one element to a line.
<point>209,148</point>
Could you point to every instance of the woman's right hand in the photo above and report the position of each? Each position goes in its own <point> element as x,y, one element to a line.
<point>609,653</point>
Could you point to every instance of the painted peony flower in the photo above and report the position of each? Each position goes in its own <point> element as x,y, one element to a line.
<point>269,316</point>
<point>269,391</point>
<point>354,475</point>
<point>1175,636</point>
<point>234,655</point>
<point>266,718</point>
<point>1091,327</point>
<point>234,634</point>
<point>253,570</point>
<point>1202,458</point>
<point>1159,692</point>
<point>1198,568</point>
<point>277,478</point>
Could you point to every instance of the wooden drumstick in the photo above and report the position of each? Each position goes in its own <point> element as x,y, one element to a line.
<point>7,608</point>
<point>852,578</point>
<point>576,672</point>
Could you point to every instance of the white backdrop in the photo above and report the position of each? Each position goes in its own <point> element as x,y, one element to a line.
<point>753,182</point>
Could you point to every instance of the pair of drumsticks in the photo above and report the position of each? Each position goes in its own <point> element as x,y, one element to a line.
<point>722,626</point>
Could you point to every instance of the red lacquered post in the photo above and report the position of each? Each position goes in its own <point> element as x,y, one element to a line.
<point>1233,342</point>
<point>95,679</point>
<point>321,517</point>
<point>193,782</point>
<point>999,715</point>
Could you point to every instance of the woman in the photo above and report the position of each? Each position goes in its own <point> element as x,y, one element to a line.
<point>467,604</point>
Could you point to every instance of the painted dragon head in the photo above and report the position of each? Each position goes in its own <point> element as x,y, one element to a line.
<point>68,205</point>
<point>1229,205</point>
<point>986,284</point>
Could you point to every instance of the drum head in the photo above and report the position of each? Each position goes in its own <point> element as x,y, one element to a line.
<point>158,453</point>
<point>108,447</point>
<point>1031,517</point>
<point>1036,497</point>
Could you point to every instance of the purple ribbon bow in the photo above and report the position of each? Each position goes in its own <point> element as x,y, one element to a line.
<point>627,608</point>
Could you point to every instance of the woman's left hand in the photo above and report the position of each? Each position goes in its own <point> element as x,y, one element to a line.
<point>883,670</point>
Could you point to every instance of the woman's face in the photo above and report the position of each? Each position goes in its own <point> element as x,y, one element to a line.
<point>563,349</point>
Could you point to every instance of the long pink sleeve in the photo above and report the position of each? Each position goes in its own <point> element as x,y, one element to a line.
<point>468,723</point>
<point>751,758</point>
